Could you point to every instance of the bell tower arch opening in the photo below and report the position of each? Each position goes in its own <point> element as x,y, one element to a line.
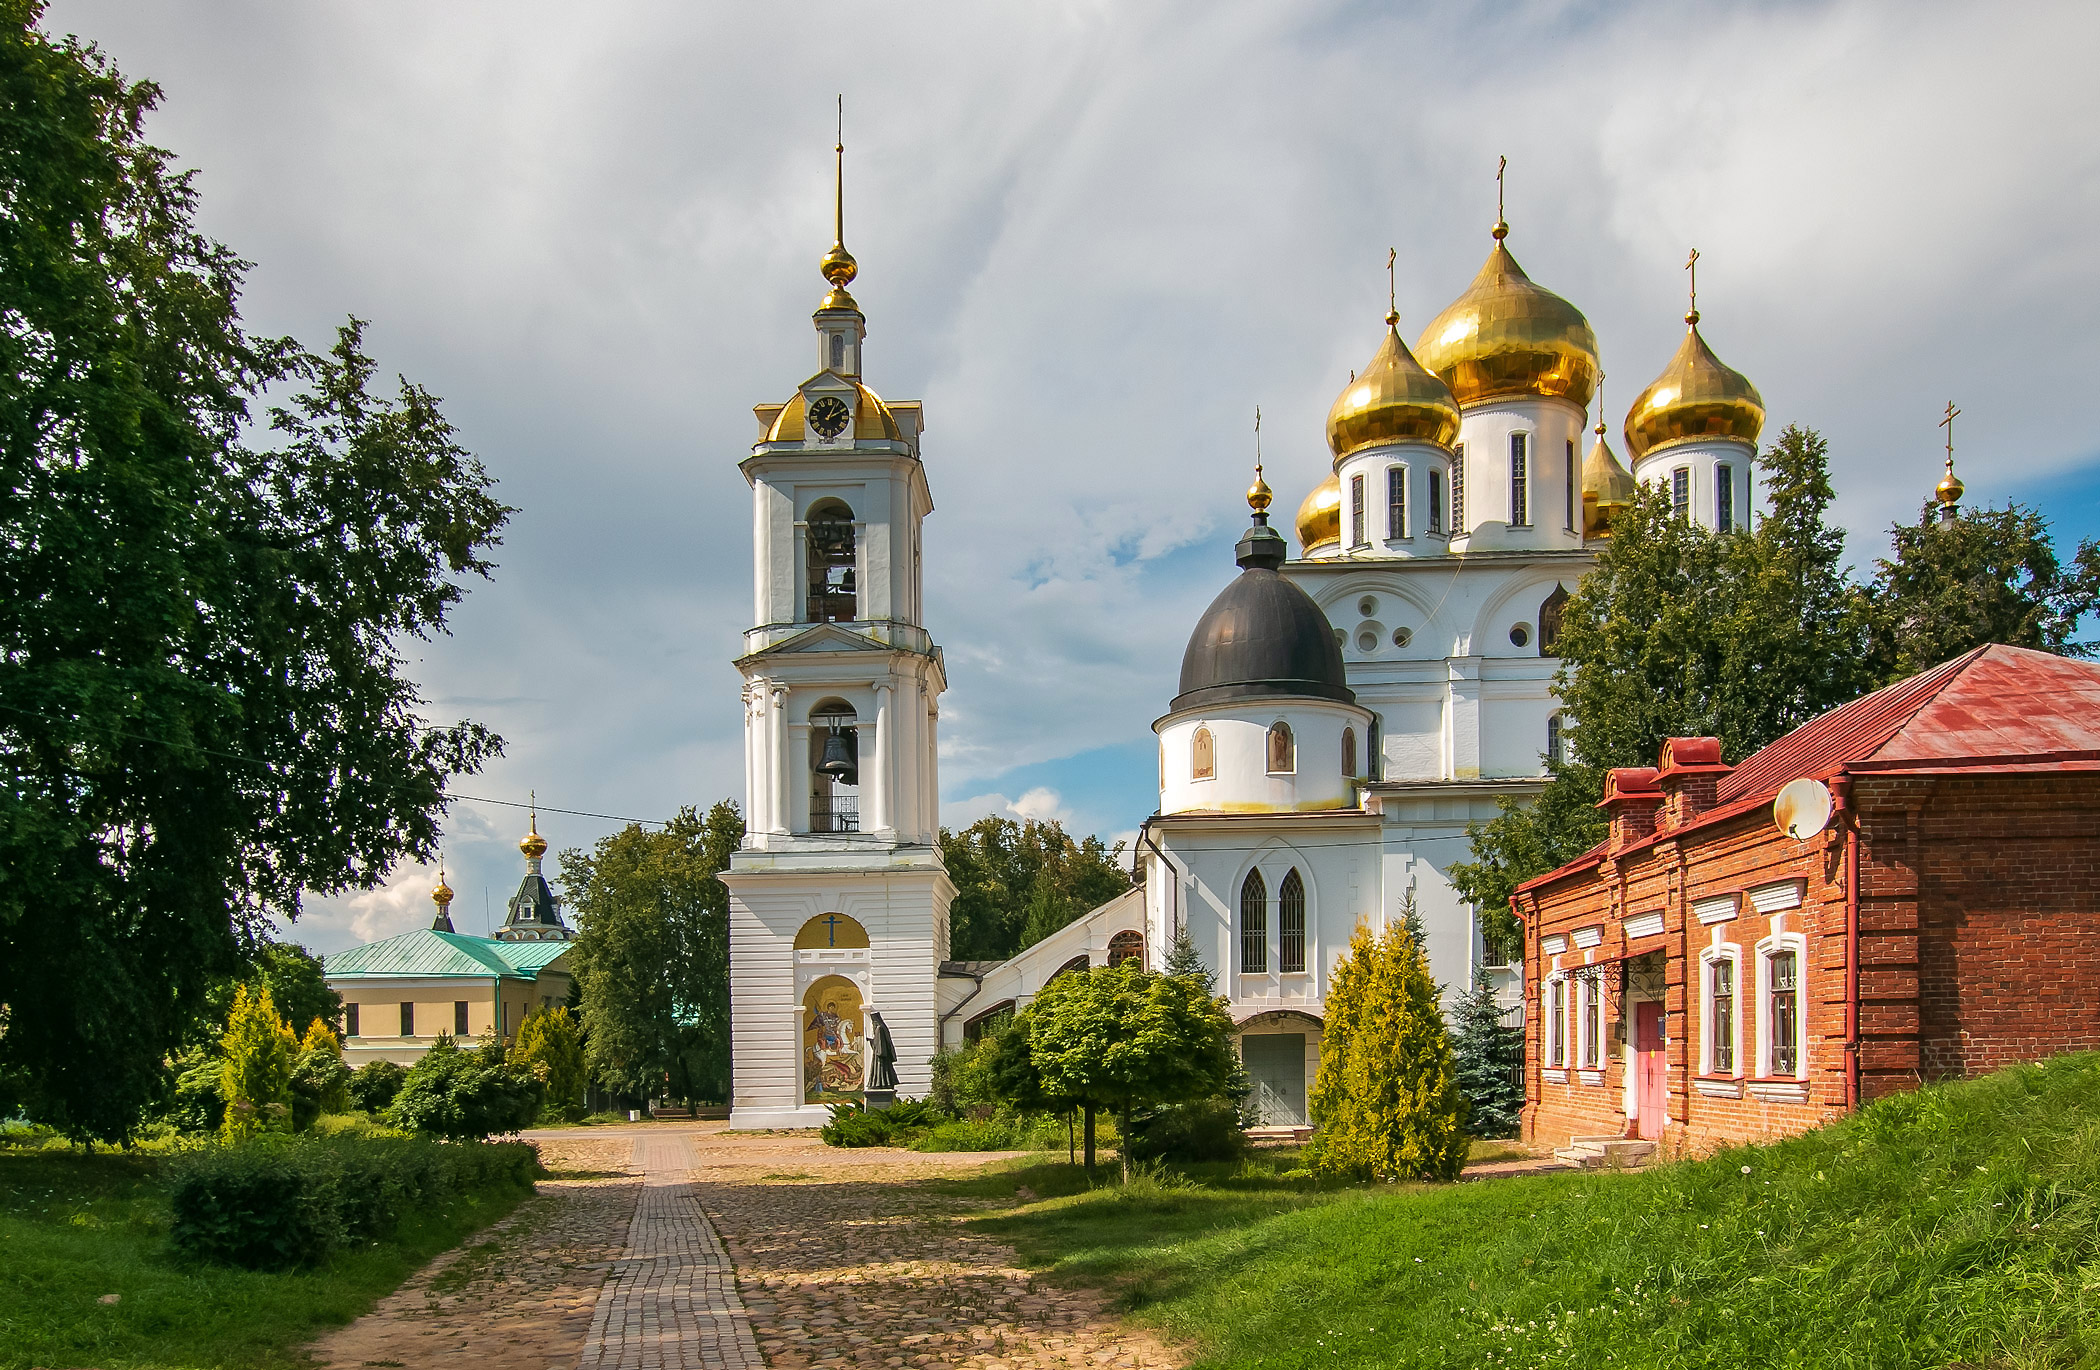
<point>834,795</point>
<point>834,595</point>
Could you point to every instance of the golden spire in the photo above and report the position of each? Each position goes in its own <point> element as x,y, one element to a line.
<point>1691,265</point>
<point>1392,288</point>
<point>1501,224</point>
<point>838,265</point>
<point>1258,494</point>
<point>1950,487</point>
<point>533,845</point>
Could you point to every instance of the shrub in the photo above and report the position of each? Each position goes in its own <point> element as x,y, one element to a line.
<point>373,1087</point>
<point>1386,1104</point>
<point>550,1037</point>
<point>454,1093</point>
<point>256,1075</point>
<point>272,1202</point>
<point>1200,1130</point>
<point>898,1125</point>
<point>1022,1132</point>
<point>320,1080</point>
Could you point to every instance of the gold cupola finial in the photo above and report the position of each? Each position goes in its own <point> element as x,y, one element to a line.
<point>533,845</point>
<point>838,265</point>
<point>1393,399</point>
<point>442,895</point>
<point>1259,495</point>
<point>1691,266</point>
<point>1501,223</point>
<point>1949,490</point>
<point>1608,488</point>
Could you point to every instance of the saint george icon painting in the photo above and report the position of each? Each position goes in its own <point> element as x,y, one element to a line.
<point>834,1064</point>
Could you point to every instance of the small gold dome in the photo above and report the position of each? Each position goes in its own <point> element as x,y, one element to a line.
<point>839,268</point>
<point>1696,396</point>
<point>1320,516</point>
<point>1949,490</point>
<point>1392,400</point>
<point>442,895</point>
<point>534,845</point>
<point>1607,488</point>
<point>1259,495</point>
<point>872,419</point>
<point>1507,336</point>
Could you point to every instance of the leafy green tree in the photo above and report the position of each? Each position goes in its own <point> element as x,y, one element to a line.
<point>202,706</point>
<point>467,1094</point>
<point>199,1102</point>
<point>1490,1058</point>
<point>373,1087</point>
<point>320,1080</point>
<point>297,985</point>
<point>551,1037</point>
<point>1989,575</point>
<point>1386,1103</point>
<point>1681,632</point>
<point>652,953</point>
<point>1120,1038</point>
<point>1016,883</point>
<point>255,1077</point>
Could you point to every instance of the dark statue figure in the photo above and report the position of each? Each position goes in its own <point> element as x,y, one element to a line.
<point>882,1072</point>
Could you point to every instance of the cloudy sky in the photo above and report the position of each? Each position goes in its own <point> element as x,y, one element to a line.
<point>1092,236</point>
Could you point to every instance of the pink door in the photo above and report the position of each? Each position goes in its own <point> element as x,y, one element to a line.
<point>1648,1067</point>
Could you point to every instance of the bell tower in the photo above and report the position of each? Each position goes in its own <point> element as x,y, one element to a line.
<point>838,900</point>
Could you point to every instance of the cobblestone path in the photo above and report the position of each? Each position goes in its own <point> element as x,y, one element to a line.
<point>670,1302</point>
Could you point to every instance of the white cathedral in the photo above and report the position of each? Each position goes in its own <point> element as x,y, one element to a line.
<point>1342,715</point>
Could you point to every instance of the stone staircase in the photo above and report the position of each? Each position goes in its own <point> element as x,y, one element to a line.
<point>1605,1153</point>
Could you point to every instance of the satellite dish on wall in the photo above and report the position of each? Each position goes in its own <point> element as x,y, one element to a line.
<point>1802,808</point>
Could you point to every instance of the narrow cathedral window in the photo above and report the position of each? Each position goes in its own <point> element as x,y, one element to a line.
<point>1254,925</point>
<point>1374,760</point>
<point>1283,751</point>
<point>1356,511</point>
<point>1349,753</point>
<point>1396,501</point>
<point>1720,1023</point>
<point>1724,499</point>
<point>1551,615</point>
<point>1519,481</point>
<point>1436,501</point>
<point>350,1020</point>
<point>408,1018</point>
<point>1458,490</point>
<point>1290,924</point>
<point>459,1018</point>
<point>1786,1021</point>
<point>1570,492</point>
<point>1204,755</point>
<point>1556,741</point>
<point>838,351</point>
<point>1681,492</point>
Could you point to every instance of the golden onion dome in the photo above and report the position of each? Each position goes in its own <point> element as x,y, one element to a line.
<point>442,895</point>
<point>1948,491</point>
<point>1697,396</point>
<point>1607,488</point>
<point>1507,336</point>
<point>1392,400</point>
<point>1320,516</point>
<point>872,420</point>
<point>534,845</point>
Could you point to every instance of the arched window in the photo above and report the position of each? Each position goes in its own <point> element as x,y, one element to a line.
<point>1290,923</point>
<point>1556,741</point>
<point>1254,925</point>
<point>834,768</point>
<point>1374,757</point>
<point>1203,755</point>
<point>1283,752</point>
<point>1078,963</point>
<point>1550,615</point>
<point>832,595</point>
<point>1127,945</point>
<point>1349,753</point>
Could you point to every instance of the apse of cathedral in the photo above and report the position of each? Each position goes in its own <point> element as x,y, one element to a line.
<point>1343,713</point>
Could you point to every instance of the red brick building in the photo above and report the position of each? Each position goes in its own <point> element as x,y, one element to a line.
<point>1700,977</point>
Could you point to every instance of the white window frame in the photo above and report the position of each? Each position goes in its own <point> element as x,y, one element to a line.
<point>1520,479</point>
<point>1682,507</point>
<point>1779,943</point>
<point>1555,1018</point>
<point>1730,952</point>
<point>1359,517</point>
<point>1400,533</point>
<point>1589,1020</point>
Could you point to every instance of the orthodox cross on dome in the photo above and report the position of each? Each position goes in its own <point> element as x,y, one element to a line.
<point>1600,404</point>
<point>1950,487</point>
<point>1691,266</point>
<point>1392,287</point>
<point>1948,424</point>
<point>1258,494</point>
<point>1501,223</point>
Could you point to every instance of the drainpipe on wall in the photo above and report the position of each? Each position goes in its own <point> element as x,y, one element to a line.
<point>1843,789</point>
<point>1174,898</point>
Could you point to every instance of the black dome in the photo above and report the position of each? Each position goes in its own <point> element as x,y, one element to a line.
<point>1262,636</point>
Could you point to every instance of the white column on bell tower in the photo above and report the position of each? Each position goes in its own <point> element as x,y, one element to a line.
<point>839,496</point>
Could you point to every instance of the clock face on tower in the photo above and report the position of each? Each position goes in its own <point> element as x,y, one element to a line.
<point>828,416</point>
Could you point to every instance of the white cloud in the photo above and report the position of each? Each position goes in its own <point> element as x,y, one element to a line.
<point>1042,804</point>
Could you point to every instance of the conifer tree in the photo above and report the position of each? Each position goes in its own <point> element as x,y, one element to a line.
<point>257,1080</point>
<point>1386,1103</point>
<point>1489,1054</point>
<point>550,1037</point>
<point>1184,959</point>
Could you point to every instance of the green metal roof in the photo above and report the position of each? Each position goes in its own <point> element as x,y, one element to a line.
<point>426,952</point>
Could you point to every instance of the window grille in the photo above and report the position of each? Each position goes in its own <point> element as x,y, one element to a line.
<point>1724,499</point>
<point>1254,925</point>
<point>1720,1026</point>
<point>1458,490</point>
<point>1436,501</point>
<point>1555,741</point>
<point>1519,481</point>
<point>1290,923</point>
<point>1396,501</point>
<point>1356,511</point>
<point>1572,503</point>
<point>1681,492</point>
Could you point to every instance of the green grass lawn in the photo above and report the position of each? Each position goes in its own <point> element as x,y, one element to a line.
<point>1959,1226</point>
<point>76,1227</point>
